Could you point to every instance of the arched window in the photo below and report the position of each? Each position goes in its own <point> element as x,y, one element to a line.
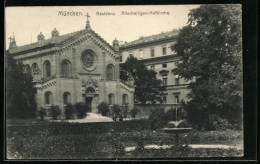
<point>48,98</point>
<point>65,68</point>
<point>47,69</point>
<point>66,98</point>
<point>111,99</point>
<point>27,70</point>
<point>110,72</point>
<point>90,90</point>
<point>35,69</point>
<point>125,99</point>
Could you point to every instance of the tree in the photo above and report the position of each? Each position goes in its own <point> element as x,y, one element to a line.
<point>148,87</point>
<point>20,92</point>
<point>210,48</point>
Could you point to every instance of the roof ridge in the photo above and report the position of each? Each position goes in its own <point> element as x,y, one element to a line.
<point>51,38</point>
<point>151,37</point>
<point>102,39</point>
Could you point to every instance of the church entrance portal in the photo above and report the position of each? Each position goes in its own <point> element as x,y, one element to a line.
<point>89,103</point>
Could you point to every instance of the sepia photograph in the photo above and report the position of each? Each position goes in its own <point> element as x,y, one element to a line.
<point>123,82</point>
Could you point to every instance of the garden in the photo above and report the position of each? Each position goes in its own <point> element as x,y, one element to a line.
<point>131,139</point>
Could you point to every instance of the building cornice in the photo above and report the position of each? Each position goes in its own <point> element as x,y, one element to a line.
<point>147,43</point>
<point>161,59</point>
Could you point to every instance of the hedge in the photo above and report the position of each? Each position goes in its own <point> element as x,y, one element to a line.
<point>77,128</point>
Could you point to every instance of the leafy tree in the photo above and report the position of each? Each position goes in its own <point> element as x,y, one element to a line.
<point>157,118</point>
<point>148,87</point>
<point>20,93</point>
<point>210,48</point>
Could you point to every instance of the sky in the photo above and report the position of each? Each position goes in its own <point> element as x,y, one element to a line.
<point>27,22</point>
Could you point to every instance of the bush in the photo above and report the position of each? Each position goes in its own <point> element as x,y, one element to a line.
<point>157,118</point>
<point>55,111</point>
<point>103,109</point>
<point>116,112</point>
<point>80,110</point>
<point>134,111</point>
<point>69,111</point>
<point>218,122</point>
<point>125,110</point>
<point>42,113</point>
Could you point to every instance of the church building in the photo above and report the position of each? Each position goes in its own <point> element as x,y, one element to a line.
<point>76,67</point>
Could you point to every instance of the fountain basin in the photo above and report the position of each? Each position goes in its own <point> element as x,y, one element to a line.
<point>177,130</point>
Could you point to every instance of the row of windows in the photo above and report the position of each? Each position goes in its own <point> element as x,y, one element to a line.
<point>176,99</point>
<point>111,99</point>
<point>176,79</point>
<point>66,70</point>
<point>152,52</point>
<point>164,65</point>
<point>67,98</point>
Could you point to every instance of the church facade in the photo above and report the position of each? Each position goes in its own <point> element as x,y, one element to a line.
<point>76,67</point>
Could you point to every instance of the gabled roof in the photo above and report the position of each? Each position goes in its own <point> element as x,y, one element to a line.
<point>56,40</point>
<point>152,38</point>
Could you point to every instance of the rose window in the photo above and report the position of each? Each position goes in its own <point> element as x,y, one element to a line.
<point>88,59</point>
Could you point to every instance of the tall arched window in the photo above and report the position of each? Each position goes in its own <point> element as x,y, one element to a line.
<point>47,69</point>
<point>27,70</point>
<point>111,99</point>
<point>110,72</point>
<point>125,99</point>
<point>35,69</point>
<point>66,98</point>
<point>65,68</point>
<point>48,98</point>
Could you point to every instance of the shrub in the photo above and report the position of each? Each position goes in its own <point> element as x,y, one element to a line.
<point>218,122</point>
<point>125,110</point>
<point>103,109</point>
<point>69,111</point>
<point>55,111</point>
<point>80,110</point>
<point>120,118</point>
<point>116,112</point>
<point>134,111</point>
<point>157,118</point>
<point>42,113</point>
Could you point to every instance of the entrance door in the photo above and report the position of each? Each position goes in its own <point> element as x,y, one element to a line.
<point>89,104</point>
